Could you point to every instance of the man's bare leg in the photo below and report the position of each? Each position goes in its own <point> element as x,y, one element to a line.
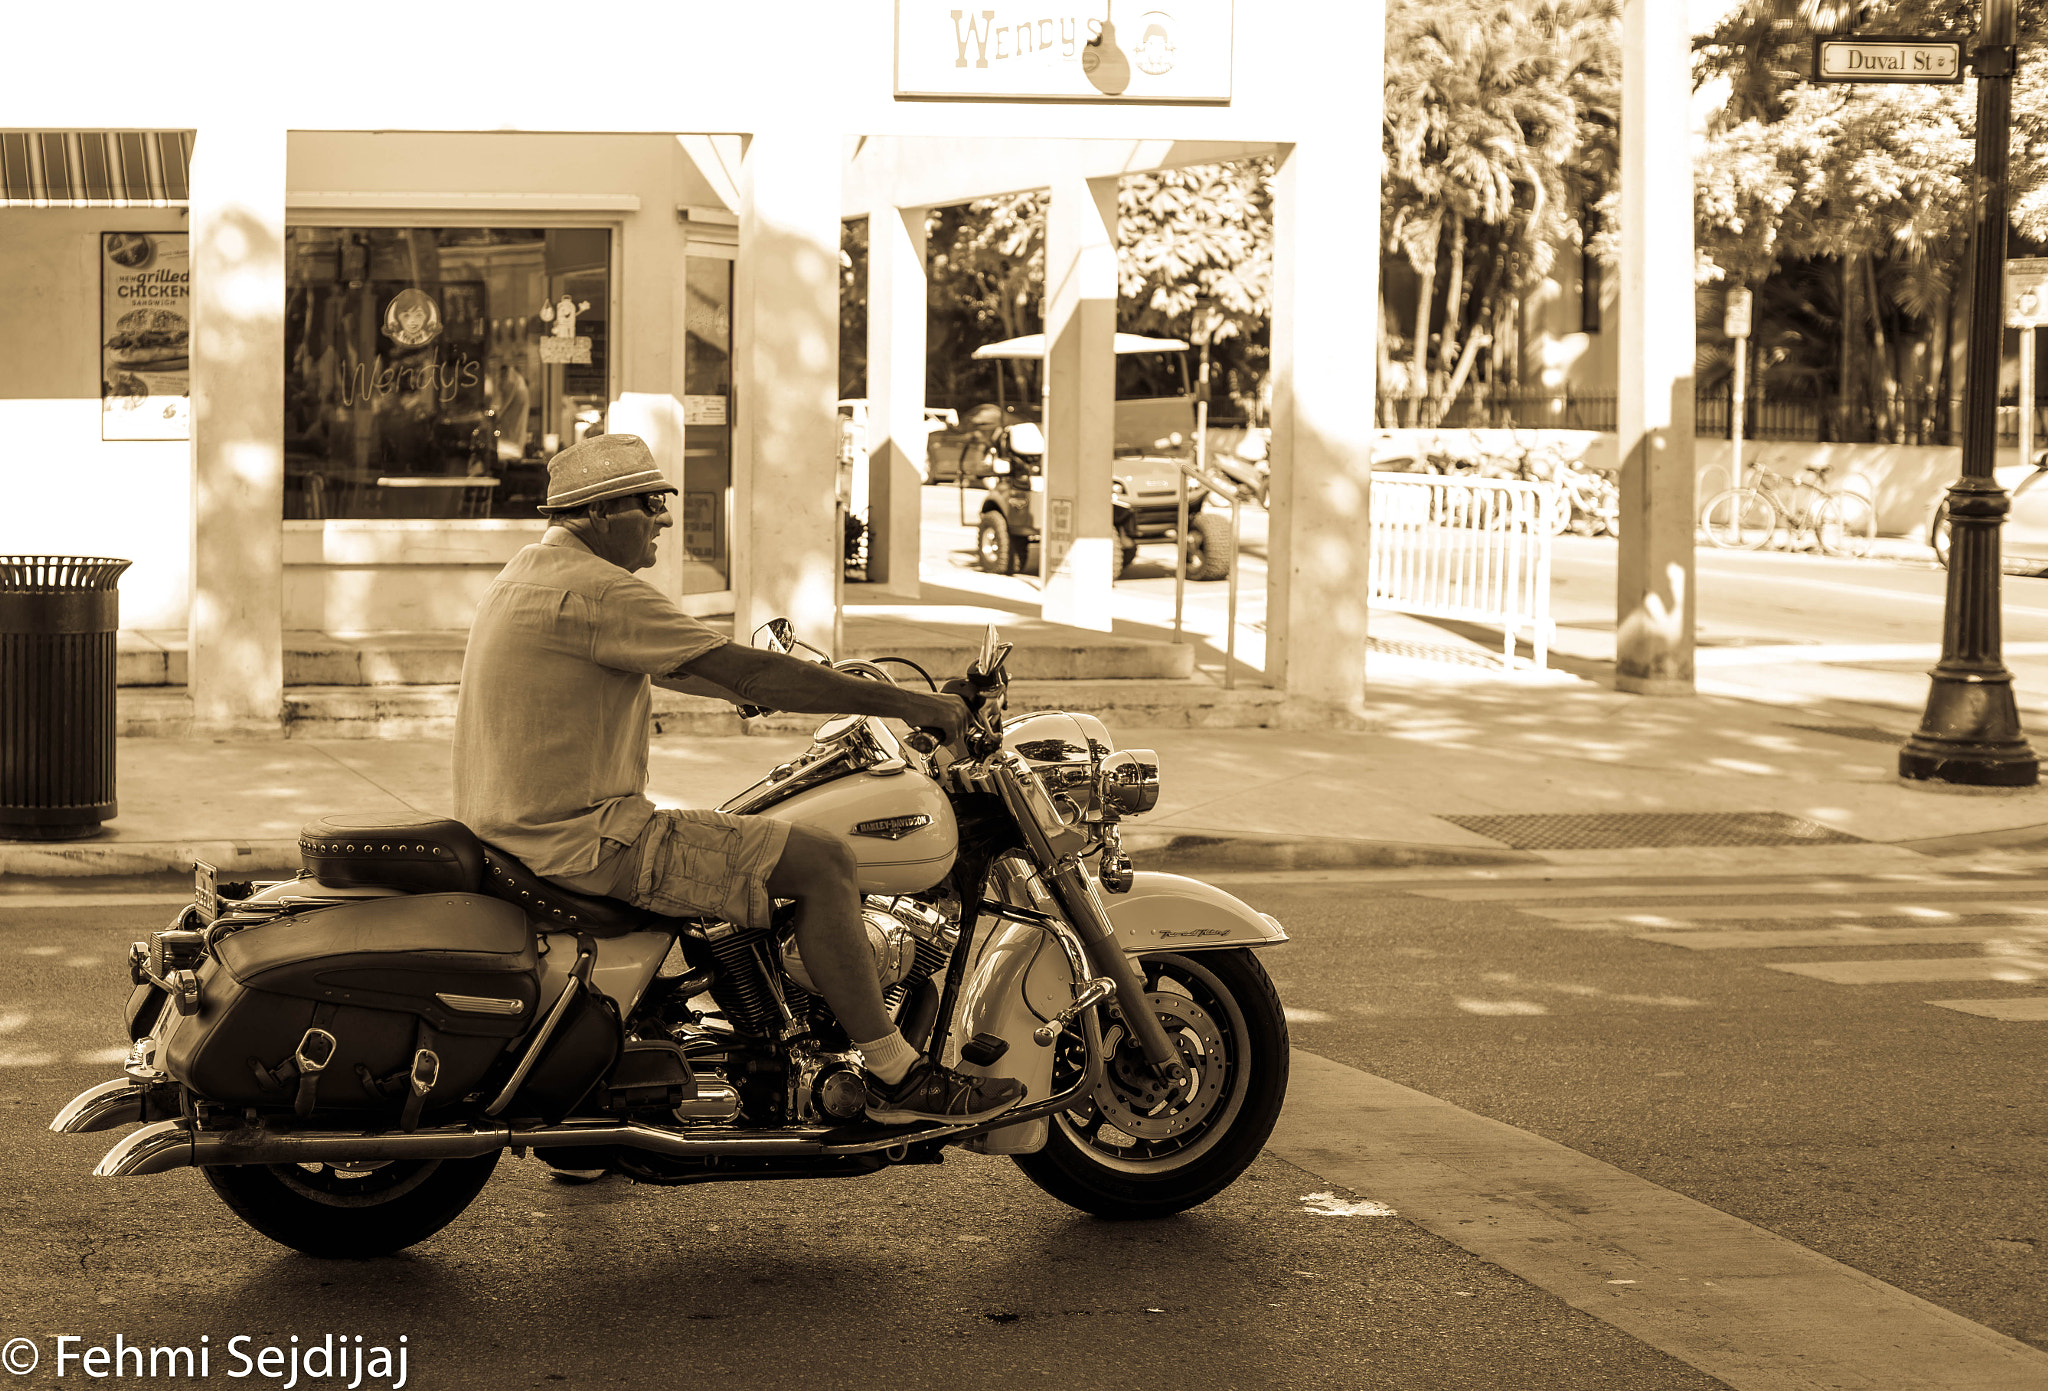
<point>818,870</point>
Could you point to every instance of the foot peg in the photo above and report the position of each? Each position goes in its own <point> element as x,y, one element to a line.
<point>1092,993</point>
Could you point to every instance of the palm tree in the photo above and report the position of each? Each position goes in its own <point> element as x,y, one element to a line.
<point>1489,104</point>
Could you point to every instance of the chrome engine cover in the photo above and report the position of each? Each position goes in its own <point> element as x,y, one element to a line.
<point>894,927</point>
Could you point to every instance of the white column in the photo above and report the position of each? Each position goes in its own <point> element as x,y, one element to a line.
<point>236,659</point>
<point>1078,546</point>
<point>1654,573</point>
<point>787,553</point>
<point>1325,289</point>
<point>896,385</point>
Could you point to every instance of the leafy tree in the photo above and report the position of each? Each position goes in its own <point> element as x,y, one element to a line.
<point>1194,261</point>
<point>1500,145</point>
<point>1868,186</point>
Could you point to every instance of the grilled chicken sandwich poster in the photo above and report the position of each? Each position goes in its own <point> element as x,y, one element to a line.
<point>145,336</point>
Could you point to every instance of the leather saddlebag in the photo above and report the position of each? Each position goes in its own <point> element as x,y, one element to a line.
<point>454,973</point>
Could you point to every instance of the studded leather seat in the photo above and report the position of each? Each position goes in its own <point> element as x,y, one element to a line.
<point>440,855</point>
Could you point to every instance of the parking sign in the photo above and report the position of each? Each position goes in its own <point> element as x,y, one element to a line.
<point>2026,292</point>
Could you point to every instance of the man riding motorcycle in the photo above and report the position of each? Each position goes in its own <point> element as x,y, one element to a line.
<point>551,743</point>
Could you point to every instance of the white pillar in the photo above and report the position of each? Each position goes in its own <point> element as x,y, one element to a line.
<point>896,386</point>
<point>788,555</point>
<point>1325,293</point>
<point>1078,545</point>
<point>236,636</point>
<point>1654,599</point>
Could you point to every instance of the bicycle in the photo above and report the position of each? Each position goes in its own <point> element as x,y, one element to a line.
<point>1747,517</point>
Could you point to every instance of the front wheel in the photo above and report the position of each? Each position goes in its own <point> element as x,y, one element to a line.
<point>1129,1150</point>
<point>993,547</point>
<point>1211,547</point>
<point>1739,519</point>
<point>337,1211</point>
<point>1938,535</point>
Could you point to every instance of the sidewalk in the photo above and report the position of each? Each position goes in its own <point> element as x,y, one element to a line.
<point>1454,751</point>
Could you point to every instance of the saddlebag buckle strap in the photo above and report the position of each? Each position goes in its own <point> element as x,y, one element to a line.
<point>426,1071</point>
<point>314,1053</point>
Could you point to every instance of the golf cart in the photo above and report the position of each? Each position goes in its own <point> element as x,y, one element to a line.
<point>1154,437</point>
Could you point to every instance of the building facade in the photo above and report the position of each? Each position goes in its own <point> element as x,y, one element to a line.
<point>396,297</point>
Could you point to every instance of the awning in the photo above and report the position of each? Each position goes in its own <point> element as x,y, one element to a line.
<point>1033,345</point>
<point>95,168</point>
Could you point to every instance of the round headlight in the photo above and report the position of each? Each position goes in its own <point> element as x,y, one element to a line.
<point>1129,781</point>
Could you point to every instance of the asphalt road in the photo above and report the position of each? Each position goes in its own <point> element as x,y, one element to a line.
<point>927,1277</point>
<point>1897,1136</point>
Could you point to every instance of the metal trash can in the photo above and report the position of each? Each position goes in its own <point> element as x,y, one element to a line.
<point>58,618</point>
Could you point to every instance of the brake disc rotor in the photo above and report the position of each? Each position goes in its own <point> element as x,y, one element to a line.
<point>1139,1104</point>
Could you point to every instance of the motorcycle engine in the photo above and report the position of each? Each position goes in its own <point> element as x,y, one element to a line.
<point>909,940</point>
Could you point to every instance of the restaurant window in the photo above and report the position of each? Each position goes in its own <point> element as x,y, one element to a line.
<point>707,423</point>
<point>432,371</point>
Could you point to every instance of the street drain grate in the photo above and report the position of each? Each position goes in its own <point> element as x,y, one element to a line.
<point>1633,830</point>
<point>1854,731</point>
<point>1433,652</point>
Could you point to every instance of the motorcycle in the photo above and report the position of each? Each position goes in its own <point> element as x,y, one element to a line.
<point>346,1055</point>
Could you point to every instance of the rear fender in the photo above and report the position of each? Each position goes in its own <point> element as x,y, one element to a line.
<point>1169,912</point>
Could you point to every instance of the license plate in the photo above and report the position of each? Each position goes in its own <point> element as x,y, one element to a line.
<point>205,893</point>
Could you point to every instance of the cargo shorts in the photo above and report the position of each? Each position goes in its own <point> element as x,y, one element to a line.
<point>692,864</point>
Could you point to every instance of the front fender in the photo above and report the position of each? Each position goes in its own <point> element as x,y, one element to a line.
<point>1172,912</point>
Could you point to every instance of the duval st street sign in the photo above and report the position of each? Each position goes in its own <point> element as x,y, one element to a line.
<point>1847,58</point>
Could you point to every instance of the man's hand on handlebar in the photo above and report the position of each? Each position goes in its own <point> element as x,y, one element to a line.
<point>948,716</point>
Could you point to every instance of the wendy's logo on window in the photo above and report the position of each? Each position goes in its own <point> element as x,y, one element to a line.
<point>358,381</point>
<point>1154,53</point>
<point>412,319</point>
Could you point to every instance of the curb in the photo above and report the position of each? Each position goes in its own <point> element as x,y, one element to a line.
<point>1216,850</point>
<point>110,859</point>
<point>1161,850</point>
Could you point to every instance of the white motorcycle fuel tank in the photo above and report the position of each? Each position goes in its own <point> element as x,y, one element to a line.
<point>899,824</point>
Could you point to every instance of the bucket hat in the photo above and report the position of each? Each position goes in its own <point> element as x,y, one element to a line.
<point>602,467</point>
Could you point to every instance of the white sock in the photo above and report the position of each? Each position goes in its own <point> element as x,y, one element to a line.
<point>889,1057</point>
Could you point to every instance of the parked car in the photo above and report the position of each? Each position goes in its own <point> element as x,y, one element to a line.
<point>1153,438</point>
<point>853,441</point>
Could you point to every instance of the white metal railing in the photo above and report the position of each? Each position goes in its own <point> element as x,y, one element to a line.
<point>1475,549</point>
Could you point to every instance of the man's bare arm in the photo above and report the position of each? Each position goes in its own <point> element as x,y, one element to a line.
<point>781,682</point>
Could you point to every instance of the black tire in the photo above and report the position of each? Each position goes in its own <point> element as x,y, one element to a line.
<point>351,1214</point>
<point>1126,552</point>
<point>1211,548</point>
<point>1938,534</point>
<point>1232,1033</point>
<point>992,545</point>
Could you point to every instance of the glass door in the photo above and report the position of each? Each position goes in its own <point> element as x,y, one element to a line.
<point>706,521</point>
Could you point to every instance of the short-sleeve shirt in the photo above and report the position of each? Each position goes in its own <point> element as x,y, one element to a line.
<point>551,725</point>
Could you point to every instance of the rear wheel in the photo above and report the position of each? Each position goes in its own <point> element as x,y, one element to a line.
<point>1129,1150</point>
<point>1937,535</point>
<point>352,1211</point>
<point>1739,519</point>
<point>1846,524</point>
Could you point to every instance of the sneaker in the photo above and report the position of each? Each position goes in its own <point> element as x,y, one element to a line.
<point>929,1093</point>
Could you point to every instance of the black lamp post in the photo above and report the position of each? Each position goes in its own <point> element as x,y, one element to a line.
<point>1970,732</point>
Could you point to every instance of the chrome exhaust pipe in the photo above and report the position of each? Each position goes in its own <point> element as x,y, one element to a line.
<point>172,1144</point>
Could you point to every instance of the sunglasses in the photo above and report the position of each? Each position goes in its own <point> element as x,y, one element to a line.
<point>653,504</point>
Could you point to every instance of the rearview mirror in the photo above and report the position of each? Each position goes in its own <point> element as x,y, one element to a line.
<point>781,634</point>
